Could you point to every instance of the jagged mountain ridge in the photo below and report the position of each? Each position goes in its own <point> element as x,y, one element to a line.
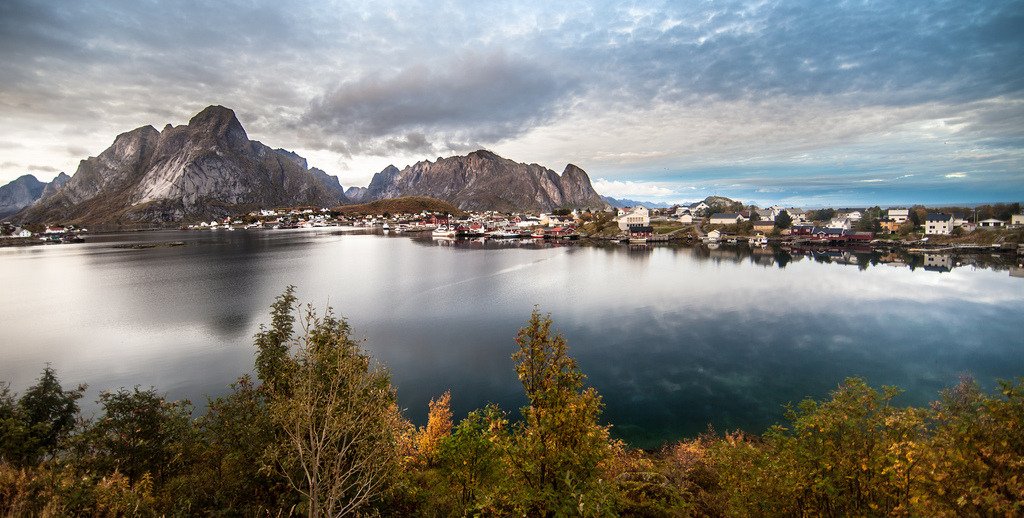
<point>483,180</point>
<point>623,203</point>
<point>207,168</point>
<point>26,190</point>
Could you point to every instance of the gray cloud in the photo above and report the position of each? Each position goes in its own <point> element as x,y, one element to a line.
<point>410,78</point>
<point>43,168</point>
<point>483,97</point>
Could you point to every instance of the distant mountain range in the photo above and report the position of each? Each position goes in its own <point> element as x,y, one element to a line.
<point>209,168</point>
<point>26,190</point>
<point>622,203</point>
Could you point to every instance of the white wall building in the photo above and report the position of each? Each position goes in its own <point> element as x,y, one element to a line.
<point>938,224</point>
<point>898,215</point>
<point>638,217</point>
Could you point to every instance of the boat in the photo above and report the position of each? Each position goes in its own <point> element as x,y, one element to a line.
<point>443,232</point>
<point>537,234</point>
<point>386,227</point>
<point>504,233</point>
<point>758,240</point>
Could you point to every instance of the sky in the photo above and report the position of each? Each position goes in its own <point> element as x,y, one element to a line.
<point>796,102</point>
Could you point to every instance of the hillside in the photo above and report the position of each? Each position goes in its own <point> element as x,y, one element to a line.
<point>404,205</point>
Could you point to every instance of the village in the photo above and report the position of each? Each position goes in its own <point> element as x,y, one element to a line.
<point>720,222</point>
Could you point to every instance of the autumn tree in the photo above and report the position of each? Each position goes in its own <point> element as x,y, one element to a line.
<point>974,461</point>
<point>338,420</point>
<point>470,458</point>
<point>439,427</point>
<point>558,446</point>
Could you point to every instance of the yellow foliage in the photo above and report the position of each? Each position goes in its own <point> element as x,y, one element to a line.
<point>439,426</point>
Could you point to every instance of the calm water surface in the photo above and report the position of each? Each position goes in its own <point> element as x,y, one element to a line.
<point>673,338</point>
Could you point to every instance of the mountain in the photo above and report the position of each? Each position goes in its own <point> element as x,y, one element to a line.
<point>331,183</point>
<point>26,190</point>
<point>205,169</point>
<point>356,194</point>
<point>20,193</point>
<point>623,203</point>
<point>54,185</point>
<point>483,180</point>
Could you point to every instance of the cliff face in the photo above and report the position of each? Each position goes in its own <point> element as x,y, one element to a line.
<point>207,168</point>
<point>331,183</point>
<point>483,180</point>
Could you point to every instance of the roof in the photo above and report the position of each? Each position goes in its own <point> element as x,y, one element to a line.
<point>636,229</point>
<point>764,222</point>
<point>938,216</point>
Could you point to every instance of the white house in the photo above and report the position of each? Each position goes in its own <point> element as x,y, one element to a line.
<point>938,224</point>
<point>24,233</point>
<point>638,217</point>
<point>726,218</point>
<point>898,215</point>
<point>854,215</point>
<point>1017,220</point>
<point>991,223</point>
<point>798,214</point>
<point>686,218</point>
<point>840,222</point>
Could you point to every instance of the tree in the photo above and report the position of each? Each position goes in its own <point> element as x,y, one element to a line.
<point>558,445</point>
<point>47,413</point>
<point>338,422</point>
<point>272,359</point>
<point>140,434</point>
<point>470,458</point>
<point>236,432</point>
<point>439,427</point>
<point>973,459</point>
<point>783,220</point>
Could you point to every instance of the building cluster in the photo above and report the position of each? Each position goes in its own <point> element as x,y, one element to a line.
<point>841,225</point>
<point>473,223</point>
<point>54,233</point>
<point>943,224</point>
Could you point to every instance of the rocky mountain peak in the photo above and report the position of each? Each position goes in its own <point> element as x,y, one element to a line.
<point>207,168</point>
<point>483,180</point>
<point>220,123</point>
<point>54,185</point>
<point>484,154</point>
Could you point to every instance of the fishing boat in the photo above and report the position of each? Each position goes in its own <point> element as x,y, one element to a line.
<point>758,240</point>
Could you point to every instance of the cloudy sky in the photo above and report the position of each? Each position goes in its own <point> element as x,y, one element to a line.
<point>766,101</point>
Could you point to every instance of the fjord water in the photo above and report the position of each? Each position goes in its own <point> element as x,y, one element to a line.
<point>674,338</point>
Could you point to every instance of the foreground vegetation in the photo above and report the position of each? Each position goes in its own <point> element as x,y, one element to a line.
<point>318,432</point>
